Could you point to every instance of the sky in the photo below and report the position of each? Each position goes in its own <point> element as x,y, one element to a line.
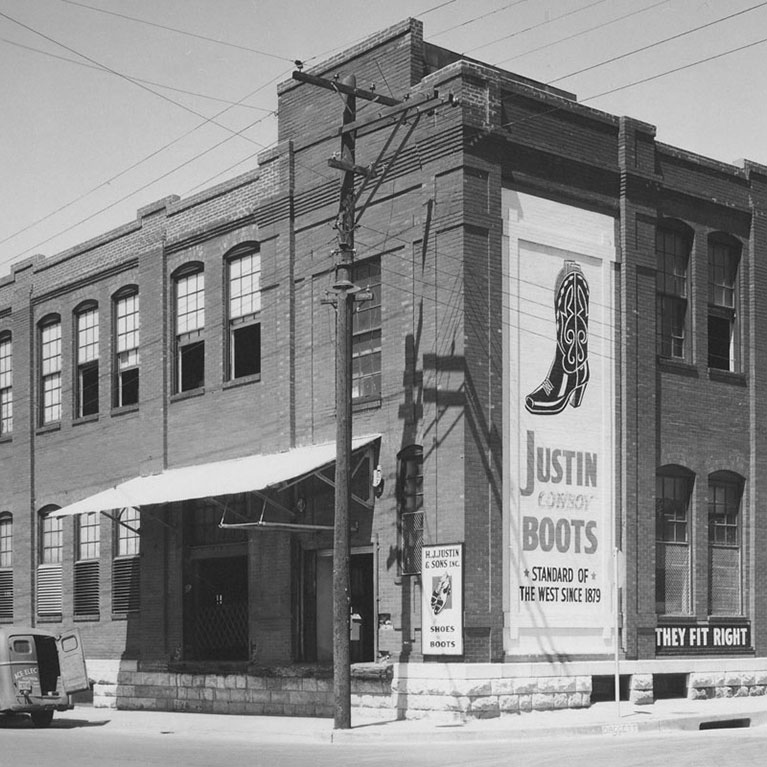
<point>112,104</point>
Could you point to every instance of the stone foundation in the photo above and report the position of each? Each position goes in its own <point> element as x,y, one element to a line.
<point>452,692</point>
<point>732,684</point>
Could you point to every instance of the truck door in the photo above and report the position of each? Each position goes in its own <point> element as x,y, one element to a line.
<point>74,675</point>
<point>22,654</point>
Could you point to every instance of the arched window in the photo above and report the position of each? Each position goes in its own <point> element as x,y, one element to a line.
<point>50,369</point>
<point>87,359</point>
<point>725,567</point>
<point>244,311</point>
<point>126,347</point>
<point>6,566</point>
<point>49,599</point>
<point>723,310</point>
<point>410,504</point>
<point>189,294</point>
<point>6,384</point>
<point>673,242</point>
<point>673,583</point>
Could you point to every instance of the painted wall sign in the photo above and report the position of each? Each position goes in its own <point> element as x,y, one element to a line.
<point>560,369</point>
<point>699,639</point>
<point>442,599</point>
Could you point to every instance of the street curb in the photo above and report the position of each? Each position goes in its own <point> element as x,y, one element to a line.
<point>458,733</point>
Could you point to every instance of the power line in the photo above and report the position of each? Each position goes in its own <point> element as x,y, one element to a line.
<point>99,68</point>
<point>141,188</point>
<point>178,31</point>
<point>678,69</point>
<point>540,115</point>
<point>98,65</point>
<point>582,32</point>
<point>658,42</point>
<point>314,170</point>
<point>536,26</point>
<point>119,74</point>
<point>478,18</point>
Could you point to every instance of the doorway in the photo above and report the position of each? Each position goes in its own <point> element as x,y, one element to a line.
<point>362,619</point>
<point>220,608</point>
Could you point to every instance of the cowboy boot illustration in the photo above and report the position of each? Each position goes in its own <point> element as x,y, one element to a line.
<point>441,593</point>
<point>569,371</point>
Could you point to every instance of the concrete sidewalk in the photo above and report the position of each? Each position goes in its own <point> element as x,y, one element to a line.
<point>600,719</point>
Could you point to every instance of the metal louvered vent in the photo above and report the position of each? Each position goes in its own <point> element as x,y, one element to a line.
<point>126,585</point>
<point>49,589</point>
<point>6,594</point>
<point>86,596</point>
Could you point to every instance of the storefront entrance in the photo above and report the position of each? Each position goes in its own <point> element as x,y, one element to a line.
<point>362,636</point>
<point>218,617</point>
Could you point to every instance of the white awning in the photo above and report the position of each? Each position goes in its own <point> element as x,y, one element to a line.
<point>238,475</point>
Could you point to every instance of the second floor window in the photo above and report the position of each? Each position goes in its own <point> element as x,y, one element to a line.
<point>6,385</point>
<point>672,251</point>
<point>245,315</point>
<point>190,326</point>
<point>723,331</point>
<point>127,350</point>
<point>50,367</point>
<point>87,362</point>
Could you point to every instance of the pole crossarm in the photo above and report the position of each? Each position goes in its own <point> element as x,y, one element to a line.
<point>424,104</point>
<point>348,90</point>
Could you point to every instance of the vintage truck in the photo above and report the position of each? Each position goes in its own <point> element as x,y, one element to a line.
<point>39,671</point>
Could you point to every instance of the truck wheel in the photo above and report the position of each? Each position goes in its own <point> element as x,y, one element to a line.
<point>42,718</point>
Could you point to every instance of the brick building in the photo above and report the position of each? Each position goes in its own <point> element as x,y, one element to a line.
<point>556,381</point>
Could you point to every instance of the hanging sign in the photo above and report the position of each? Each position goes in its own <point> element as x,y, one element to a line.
<point>442,599</point>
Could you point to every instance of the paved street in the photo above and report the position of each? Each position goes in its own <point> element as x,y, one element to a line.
<point>96,741</point>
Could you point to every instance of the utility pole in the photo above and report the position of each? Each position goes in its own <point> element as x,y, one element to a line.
<point>394,113</point>
<point>344,301</point>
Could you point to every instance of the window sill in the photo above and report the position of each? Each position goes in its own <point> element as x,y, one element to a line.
<point>85,419</point>
<point>671,618</point>
<point>677,366</point>
<point>124,616</point>
<point>124,410</point>
<point>742,619</point>
<point>6,438</point>
<point>727,376</point>
<point>89,617</point>
<point>49,427</point>
<point>182,395</point>
<point>49,619</point>
<point>244,381</point>
<point>366,404</point>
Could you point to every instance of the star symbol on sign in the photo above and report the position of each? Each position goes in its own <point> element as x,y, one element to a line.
<point>527,573</point>
<point>593,576</point>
